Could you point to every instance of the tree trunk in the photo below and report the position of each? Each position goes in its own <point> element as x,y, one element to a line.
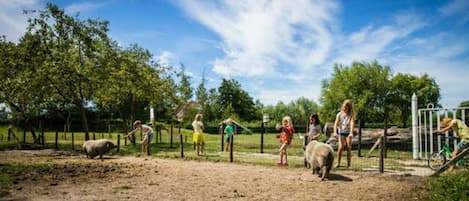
<point>84,120</point>
<point>30,127</point>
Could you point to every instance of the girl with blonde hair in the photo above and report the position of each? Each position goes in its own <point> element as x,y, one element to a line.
<point>343,129</point>
<point>199,139</point>
<point>286,137</point>
<point>460,129</point>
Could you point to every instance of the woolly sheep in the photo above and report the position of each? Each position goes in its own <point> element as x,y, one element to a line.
<point>92,148</point>
<point>320,156</point>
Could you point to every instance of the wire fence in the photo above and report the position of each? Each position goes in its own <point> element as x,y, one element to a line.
<point>370,150</point>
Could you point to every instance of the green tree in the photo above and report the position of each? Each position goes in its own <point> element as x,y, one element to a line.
<point>366,84</point>
<point>134,83</point>
<point>404,86</point>
<point>184,88</point>
<point>231,94</point>
<point>24,91</point>
<point>72,65</point>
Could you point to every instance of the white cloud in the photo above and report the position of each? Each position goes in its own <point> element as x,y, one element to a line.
<point>84,6</point>
<point>455,7</point>
<point>371,42</point>
<point>166,58</point>
<point>258,36</point>
<point>13,21</point>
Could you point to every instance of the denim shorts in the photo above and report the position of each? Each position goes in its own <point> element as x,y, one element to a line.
<point>344,134</point>
<point>148,137</point>
<point>462,145</point>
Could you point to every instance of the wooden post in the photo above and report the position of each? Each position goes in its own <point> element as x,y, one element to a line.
<point>221,131</point>
<point>73,142</point>
<point>43,143</point>
<point>262,137</point>
<point>381,156</point>
<point>171,135</point>
<point>118,142</point>
<point>360,138</point>
<point>231,148</point>
<point>156,134</point>
<point>385,137</point>
<point>9,133</point>
<point>102,135</point>
<point>161,135</point>
<point>94,136</point>
<point>24,136</point>
<point>181,145</point>
<point>57,139</point>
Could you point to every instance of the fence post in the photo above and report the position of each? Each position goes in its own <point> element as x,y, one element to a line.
<point>43,143</point>
<point>161,135</point>
<point>262,137</point>
<point>171,135</point>
<point>415,140</point>
<point>56,139</point>
<point>118,142</point>
<point>385,138</point>
<point>73,141</point>
<point>222,142</point>
<point>360,126</point>
<point>381,156</point>
<point>94,136</point>
<point>9,133</point>
<point>156,134</point>
<point>231,148</point>
<point>181,145</point>
<point>24,135</point>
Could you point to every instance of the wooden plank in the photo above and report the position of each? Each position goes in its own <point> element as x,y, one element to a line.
<point>451,162</point>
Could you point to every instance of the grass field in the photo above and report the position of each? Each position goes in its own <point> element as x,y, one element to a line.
<point>246,148</point>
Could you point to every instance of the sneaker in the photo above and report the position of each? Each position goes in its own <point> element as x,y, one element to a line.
<point>279,163</point>
<point>285,164</point>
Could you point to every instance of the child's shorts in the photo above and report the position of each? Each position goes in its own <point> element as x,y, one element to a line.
<point>462,145</point>
<point>346,134</point>
<point>148,137</point>
<point>198,138</point>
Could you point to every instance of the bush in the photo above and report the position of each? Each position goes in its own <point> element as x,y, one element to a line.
<point>451,186</point>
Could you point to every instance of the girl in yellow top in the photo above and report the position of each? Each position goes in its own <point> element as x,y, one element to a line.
<point>199,139</point>
<point>461,130</point>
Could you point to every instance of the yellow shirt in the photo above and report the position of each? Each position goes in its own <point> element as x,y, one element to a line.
<point>461,130</point>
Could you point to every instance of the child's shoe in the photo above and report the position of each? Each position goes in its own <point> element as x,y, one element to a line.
<point>285,164</point>
<point>279,163</point>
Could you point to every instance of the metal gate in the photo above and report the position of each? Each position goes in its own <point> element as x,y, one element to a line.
<point>427,120</point>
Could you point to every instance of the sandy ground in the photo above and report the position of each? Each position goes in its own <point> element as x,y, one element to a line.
<point>73,177</point>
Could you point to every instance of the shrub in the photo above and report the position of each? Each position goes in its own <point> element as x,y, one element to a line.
<point>451,186</point>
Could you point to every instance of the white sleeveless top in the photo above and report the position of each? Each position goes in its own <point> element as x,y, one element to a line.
<point>344,122</point>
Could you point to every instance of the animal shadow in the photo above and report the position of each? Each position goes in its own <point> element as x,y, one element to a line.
<point>337,177</point>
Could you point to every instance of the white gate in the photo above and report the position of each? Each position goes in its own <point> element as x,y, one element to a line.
<point>427,120</point>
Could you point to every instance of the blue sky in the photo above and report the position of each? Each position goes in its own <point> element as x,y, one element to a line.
<point>282,50</point>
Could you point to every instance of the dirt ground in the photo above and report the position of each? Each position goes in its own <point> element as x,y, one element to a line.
<point>73,177</point>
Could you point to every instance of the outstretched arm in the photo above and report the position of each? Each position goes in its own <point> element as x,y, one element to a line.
<point>441,131</point>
